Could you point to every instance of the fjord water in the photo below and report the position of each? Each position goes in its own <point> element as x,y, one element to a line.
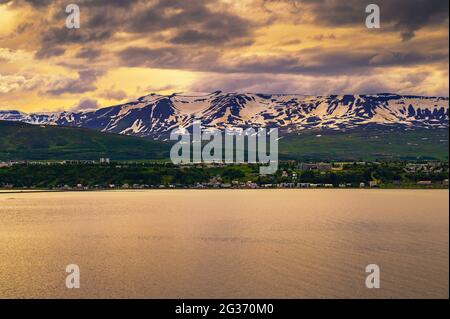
<point>225,243</point>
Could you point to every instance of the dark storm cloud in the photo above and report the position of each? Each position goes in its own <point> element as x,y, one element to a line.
<point>54,38</point>
<point>189,22</point>
<point>316,85</point>
<point>48,53</point>
<point>57,36</point>
<point>88,53</point>
<point>168,57</point>
<point>42,3</point>
<point>404,16</point>
<point>194,36</point>
<point>308,61</point>
<point>322,61</point>
<point>114,94</point>
<point>85,83</point>
<point>193,22</point>
<point>111,3</point>
<point>34,3</point>
<point>38,3</point>
<point>85,104</point>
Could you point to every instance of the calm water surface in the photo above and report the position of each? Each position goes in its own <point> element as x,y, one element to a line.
<point>225,243</point>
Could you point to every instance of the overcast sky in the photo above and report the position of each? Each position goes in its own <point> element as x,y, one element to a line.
<point>129,48</point>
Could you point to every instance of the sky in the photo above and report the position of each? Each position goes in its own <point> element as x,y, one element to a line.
<point>125,49</point>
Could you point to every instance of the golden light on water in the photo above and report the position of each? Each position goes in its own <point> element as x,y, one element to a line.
<point>236,244</point>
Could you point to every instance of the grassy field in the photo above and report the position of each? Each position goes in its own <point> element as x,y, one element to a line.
<point>403,145</point>
<point>19,141</point>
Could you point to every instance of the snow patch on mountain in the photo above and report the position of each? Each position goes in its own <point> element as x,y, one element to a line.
<point>156,115</point>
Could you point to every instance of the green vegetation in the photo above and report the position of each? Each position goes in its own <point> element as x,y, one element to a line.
<point>20,141</point>
<point>56,175</point>
<point>147,175</point>
<point>366,145</point>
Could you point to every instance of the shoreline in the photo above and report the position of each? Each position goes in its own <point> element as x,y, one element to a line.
<point>18,191</point>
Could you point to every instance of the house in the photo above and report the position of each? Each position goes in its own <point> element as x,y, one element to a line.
<point>424,183</point>
<point>3,164</point>
<point>77,162</point>
<point>251,185</point>
<point>322,167</point>
<point>373,184</point>
<point>215,180</point>
<point>104,160</point>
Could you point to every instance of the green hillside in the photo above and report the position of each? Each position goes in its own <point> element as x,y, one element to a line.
<point>19,141</point>
<point>366,145</point>
<point>33,142</point>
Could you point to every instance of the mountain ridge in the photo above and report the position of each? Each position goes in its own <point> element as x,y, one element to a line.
<point>155,115</point>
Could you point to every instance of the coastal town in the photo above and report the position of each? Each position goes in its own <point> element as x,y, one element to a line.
<point>73,175</point>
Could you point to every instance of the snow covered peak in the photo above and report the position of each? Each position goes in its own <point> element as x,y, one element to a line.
<point>156,115</point>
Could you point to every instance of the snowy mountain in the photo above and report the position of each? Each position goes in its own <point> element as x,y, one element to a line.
<point>156,115</point>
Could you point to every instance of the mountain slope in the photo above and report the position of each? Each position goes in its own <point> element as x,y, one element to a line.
<point>421,144</point>
<point>20,141</point>
<point>156,115</point>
